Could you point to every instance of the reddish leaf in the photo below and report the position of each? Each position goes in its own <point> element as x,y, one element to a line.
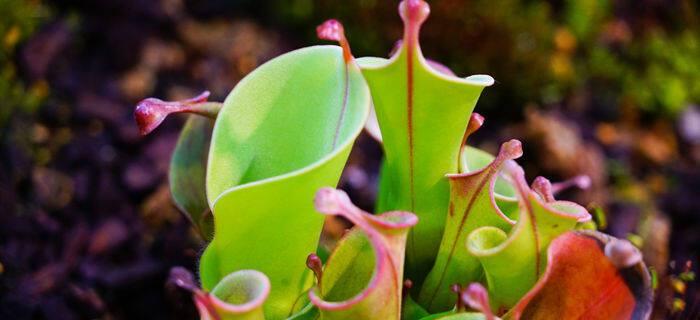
<point>581,282</point>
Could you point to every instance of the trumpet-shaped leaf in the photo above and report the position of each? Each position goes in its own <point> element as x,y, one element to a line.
<point>472,205</point>
<point>363,276</point>
<point>589,276</point>
<point>473,159</point>
<point>238,296</point>
<point>422,114</point>
<point>513,262</point>
<point>284,132</point>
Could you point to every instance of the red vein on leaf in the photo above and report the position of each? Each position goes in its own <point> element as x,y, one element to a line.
<point>409,110</point>
<point>472,199</point>
<point>475,122</point>
<point>343,109</point>
<point>524,191</point>
<point>509,150</point>
<point>333,30</point>
<point>413,13</point>
<point>533,223</point>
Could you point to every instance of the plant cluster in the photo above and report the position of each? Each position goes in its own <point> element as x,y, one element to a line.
<point>460,233</point>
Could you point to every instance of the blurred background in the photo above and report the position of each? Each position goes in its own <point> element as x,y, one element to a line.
<point>606,88</point>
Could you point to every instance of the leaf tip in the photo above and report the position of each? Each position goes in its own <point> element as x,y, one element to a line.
<point>543,187</point>
<point>622,253</point>
<point>182,278</point>
<point>414,12</point>
<point>314,263</point>
<point>151,112</point>
<point>407,285</point>
<point>477,297</point>
<point>511,149</point>
<point>582,182</point>
<point>333,30</point>
<point>475,122</point>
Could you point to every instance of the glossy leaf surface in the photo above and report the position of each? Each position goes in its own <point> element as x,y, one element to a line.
<point>474,159</point>
<point>188,173</point>
<point>582,282</point>
<point>284,132</point>
<point>513,262</point>
<point>472,205</point>
<point>363,276</point>
<point>422,114</point>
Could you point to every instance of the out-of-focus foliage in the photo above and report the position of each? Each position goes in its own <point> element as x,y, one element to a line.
<point>670,80</point>
<point>642,54</point>
<point>652,67</point>
<point>19,20</point>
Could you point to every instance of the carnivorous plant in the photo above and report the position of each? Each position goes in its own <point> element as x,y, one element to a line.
<point>459,233</point>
